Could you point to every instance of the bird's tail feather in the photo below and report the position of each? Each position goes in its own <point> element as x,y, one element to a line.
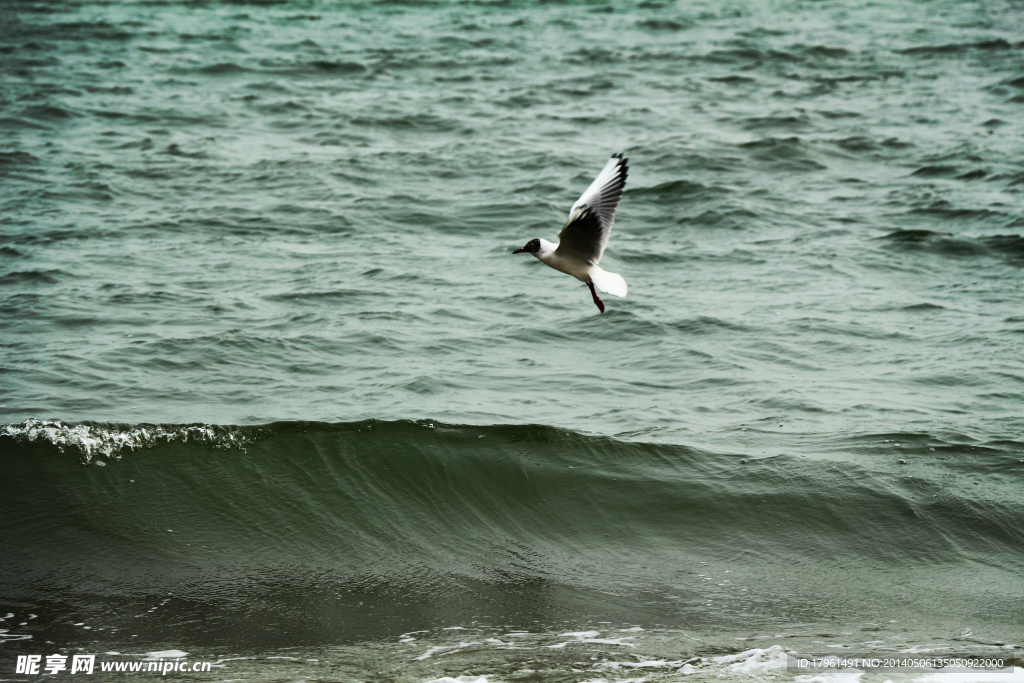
<point>611,283</point>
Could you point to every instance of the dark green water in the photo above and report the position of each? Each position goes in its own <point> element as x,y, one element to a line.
<point>275,387</point>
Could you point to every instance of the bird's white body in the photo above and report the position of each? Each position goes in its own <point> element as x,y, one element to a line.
<point>585,235</point>
<point>584,271</point>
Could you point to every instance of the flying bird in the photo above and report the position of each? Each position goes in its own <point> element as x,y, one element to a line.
<point>585,235</point>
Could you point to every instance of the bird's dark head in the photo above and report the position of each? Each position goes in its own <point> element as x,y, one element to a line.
<point>532,247</point>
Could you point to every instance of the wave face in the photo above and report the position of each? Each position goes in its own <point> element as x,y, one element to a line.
<point>303,532</point>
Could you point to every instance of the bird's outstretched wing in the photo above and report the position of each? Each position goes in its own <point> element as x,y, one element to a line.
<point>586,233</point>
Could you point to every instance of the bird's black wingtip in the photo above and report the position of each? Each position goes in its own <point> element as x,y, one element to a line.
<point>624,165</point>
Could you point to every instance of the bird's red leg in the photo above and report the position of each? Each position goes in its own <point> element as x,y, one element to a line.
<point>600,304</point>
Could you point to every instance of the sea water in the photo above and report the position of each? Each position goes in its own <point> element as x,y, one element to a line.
<point>278,396</point>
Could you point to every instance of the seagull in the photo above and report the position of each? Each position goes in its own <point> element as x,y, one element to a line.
<point>585,235</point>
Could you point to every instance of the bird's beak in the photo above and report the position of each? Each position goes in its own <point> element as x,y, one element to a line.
<point>518,251</point>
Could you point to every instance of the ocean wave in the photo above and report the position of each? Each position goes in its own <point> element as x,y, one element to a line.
<point>1011,247</point>
<point>959,48</point>
<point>91,440</point>
<point>301,529</point>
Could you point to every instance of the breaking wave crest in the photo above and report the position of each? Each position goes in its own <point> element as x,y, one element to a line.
<point>89,439</point>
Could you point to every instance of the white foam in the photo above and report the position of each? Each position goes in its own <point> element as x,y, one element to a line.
<point>166,654</point>
<point>460,679</point>
<point>974,677</point>
<point>4,635</point>
<point>441,648</point>
<point>607,641</point>
<point>93,440</point>
<point>756,661</point>
<point>848,676</point>
<point>653,663</point>
<point>929,647</point>
<point>431,651</point>
<point>588,637</point>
